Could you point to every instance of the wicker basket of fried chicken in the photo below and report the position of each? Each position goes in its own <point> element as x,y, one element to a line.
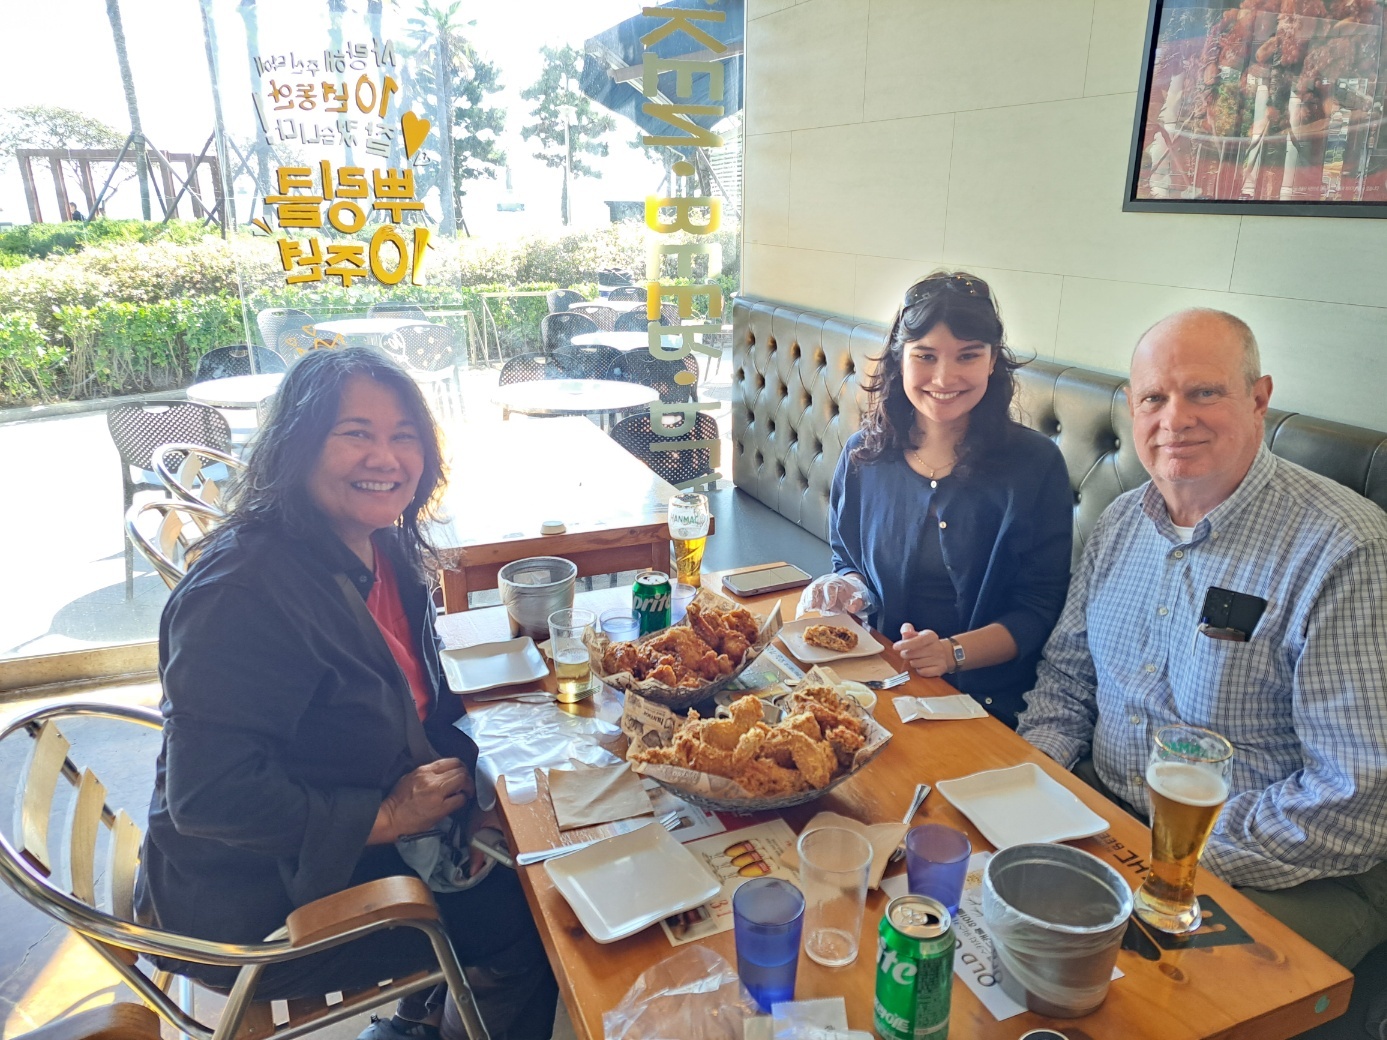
<point>689,662</point>
<point>762,755</point>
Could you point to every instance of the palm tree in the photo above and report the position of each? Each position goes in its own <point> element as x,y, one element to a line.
<point>128,81</point>
<point>435,34</point>
<point>251,22</point>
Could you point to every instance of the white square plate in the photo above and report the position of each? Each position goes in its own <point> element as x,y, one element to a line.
<point>1020,805</point>
<point>488,665</point>
<point>792,635</point>
<point>623,884</point>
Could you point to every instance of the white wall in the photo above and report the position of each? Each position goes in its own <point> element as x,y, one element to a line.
<point>888,137</point>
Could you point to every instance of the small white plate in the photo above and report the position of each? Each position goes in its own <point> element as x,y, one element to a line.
<point>488,665</point>
<point>792,635</point>
<point>623,884</point>
<point>1020,805</point>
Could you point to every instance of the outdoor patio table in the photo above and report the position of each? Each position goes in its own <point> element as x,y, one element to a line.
<point>620,340</point>
<point>235,391</point>
<point>603,397</point>
<point>348,329</point>
<point>1273,987</point>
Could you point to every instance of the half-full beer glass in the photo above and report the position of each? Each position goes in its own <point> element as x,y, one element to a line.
<point>1187,777</point>
<point>688,528</point>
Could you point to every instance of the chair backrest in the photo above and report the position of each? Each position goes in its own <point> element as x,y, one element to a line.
<point>223,362</point>
<point>562,299</point>
<point>525,368</point>
<point>140,430</point>
<point>397,309</point>
<point>170,542</point>
<point>632,321</point>
<point>587,362</point>
<point>603,315</point>
<point>626,293</point>
<point>558,330</point>
<point>425,348</point>
<point>200,477</point>
<point>638,366</point>
<point>674,464</point>
<point>273,322</point>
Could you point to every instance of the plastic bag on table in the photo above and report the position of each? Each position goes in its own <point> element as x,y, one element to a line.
<point>693,994</point>
<point>515,738</point>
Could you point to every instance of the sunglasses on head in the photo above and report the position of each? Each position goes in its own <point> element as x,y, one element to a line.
<point>933,286</point>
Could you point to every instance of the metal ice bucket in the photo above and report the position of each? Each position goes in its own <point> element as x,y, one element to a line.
<point>534,588</point>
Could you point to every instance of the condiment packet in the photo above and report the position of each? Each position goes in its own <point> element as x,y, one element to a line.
<point>955,706</point>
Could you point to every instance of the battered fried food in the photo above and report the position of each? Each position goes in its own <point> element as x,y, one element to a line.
<point>831,637</point>
<point>690,656</point>
<point>799,753</point>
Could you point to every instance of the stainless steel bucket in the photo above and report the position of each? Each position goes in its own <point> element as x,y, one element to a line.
<point>1057,916</point>
<point>534,588</point>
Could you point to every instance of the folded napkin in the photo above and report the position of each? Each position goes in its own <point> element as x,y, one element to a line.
<point>954,706</point>
<point>860,669</point>
<point>588,795</point>
<point>883,837</point>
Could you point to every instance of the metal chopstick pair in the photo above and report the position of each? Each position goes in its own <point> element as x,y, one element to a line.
<point>921,793</point>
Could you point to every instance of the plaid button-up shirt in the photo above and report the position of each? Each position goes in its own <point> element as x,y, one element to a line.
<point>1303,701</point>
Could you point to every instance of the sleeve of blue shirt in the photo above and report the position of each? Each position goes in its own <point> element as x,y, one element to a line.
<point>844,517</point>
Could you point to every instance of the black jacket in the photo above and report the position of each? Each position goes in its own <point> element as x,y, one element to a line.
<point>284,730</point>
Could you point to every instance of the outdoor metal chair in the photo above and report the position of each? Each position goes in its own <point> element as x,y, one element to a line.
<point>429,354</point>
<point>525,368</point>
<point>586,362</point>
<point>561,299</point>
<point>638,366</point>
<point>627,293</point>
<point>275,322</point>
<point>225,362</point>
<point>107,921</point>
<point>140,433</point>
<point>396,309</point>
<point>602,315</point>
<point>201,475</point>
<point>674,465</point>
<point>170,545</point>
<point>558,330</point>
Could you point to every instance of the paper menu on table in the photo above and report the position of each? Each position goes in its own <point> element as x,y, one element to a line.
<point>769,670</point>
<point>733,857</point>
<point>692,823</point>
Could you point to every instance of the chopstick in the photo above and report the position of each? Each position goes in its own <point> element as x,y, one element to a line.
<point>921,793</point>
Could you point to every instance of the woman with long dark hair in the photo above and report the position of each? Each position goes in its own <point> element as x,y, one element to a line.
<point>950,523</point>
<point>307,724</point>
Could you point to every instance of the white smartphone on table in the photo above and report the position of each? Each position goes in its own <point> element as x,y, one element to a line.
<point>760,580</point>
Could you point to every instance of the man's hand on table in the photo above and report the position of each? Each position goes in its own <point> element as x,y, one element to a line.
<point>420,799</point>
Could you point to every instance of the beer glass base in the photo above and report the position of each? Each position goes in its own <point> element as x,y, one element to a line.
<point>578,695</point>
<point>1167,917</point>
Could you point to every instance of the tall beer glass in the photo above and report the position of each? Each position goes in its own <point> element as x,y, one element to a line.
<point>1187,777</point>
<point>688,528</point>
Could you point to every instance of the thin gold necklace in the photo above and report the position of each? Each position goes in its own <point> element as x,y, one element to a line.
<point>931,473</point>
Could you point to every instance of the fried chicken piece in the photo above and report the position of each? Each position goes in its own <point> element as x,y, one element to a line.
<point>846,743</point>
<point>765,779</point>
<point>681,642</point>
<point>663,674</point>
<point>734,646</point>
<point>724,734</point>
<point>815,761</point>
<point>740,620</point>
<point>622,657</point>
<point>704,757</point>
<point>708,624</point>
<point>831,637</point>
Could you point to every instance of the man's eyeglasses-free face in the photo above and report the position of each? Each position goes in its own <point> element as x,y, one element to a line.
<point>932,287</point>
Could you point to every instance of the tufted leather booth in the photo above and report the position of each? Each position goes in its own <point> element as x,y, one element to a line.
<point>796,398</point>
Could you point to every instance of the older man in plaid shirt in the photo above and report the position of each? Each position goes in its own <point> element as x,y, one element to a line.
<point>1302,698</point>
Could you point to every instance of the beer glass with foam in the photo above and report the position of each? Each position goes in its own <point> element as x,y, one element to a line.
<point>1187,778</point>
<point>688,528</point>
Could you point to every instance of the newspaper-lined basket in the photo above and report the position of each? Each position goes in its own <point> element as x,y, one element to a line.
<point>681,698</point>
<point>652,725</point>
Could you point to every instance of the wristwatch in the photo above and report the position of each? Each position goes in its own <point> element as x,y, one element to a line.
<point>959,655</point>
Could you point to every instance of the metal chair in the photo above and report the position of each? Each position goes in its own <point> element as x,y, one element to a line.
<point>558,330</point>
<point>274,322</point>
<point>396,309</point>
<point>627,293</point>
<point>525,368</point>
<point>638,366</point>
<point>587,362</point>
<point>224,362</point>
<point>28,867</point>
<point>195,480</point>
<point>673,465</point>
<point>171,547</point>
<point>561,299</point>
<point>600,313</point>
<point>429,354</point>
<point>140,433</point>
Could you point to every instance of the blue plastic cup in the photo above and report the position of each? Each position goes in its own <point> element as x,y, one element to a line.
<point>936,863</point>
<point>767,918</point>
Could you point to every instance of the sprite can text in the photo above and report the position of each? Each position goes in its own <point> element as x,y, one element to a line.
<point>650,599</point>
<point>915,969</point>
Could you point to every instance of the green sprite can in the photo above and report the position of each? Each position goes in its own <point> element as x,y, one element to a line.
<point>915,970</point>
<point>650,599</point>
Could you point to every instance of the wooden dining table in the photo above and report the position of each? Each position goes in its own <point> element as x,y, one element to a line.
<point>1275,985</point>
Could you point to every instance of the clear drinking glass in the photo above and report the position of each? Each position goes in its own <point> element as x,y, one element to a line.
<point>572,666</point>
<point>620,625</point>
<point>688,529</point>
<point>833,867</point>
<point>1187,777</point>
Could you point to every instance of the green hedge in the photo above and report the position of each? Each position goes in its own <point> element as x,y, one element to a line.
<point>36,241</point>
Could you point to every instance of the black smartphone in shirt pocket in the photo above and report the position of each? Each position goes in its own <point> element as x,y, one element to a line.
<point>1230,615</point>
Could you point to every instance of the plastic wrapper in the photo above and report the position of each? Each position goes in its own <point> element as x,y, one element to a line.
<point>837,593</point>
<point>680,698</point>
<point>693,994</point>
<point>648,724</point>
